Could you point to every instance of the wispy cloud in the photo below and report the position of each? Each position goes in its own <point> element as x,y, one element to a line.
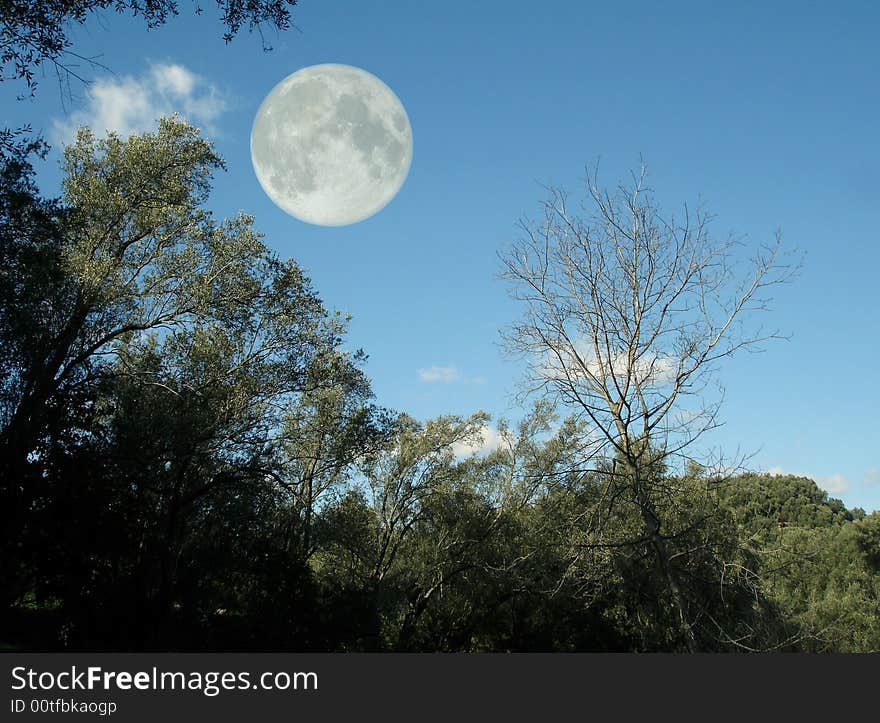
<point>490,440</point>
<point>580,361</point>
<point>129,104</point>
<point>448,374</point>
<point>872,477</point>
<point>834,483</point>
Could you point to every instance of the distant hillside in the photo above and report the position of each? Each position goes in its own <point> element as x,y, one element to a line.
<point>762,503</point>
<point>819,562</point>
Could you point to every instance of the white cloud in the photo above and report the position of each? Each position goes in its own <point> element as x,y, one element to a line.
<point>490,440</point>
<point>582,360</point>
<point>446,375</point>
<point>834,483</point>
<point>442,374</point>
<point>131,104</point>
<point>174,79</point>
<point>872,477</point>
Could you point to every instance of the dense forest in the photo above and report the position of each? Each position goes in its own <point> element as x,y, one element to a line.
<point>193,458</point>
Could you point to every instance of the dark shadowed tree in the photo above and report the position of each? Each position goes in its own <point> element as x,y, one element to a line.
<point>36,33</point>
<point>136,253</point>
<point>175,356</point>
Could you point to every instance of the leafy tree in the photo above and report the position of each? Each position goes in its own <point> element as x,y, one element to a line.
<point>825,583</point>
<point>418,525</point>
<point>135,254</point>
<point>331,431</point>
<point>177,354</point>
<point>441,541</point>
<point>403,485</point>
<point>868,539</point>
<point>33,290</point>
<point>818,563</point>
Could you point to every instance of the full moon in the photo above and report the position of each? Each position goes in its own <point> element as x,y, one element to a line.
<point>331,145</point>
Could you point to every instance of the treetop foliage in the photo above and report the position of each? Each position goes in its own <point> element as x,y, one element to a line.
<point>35,33</point>
<point>192,458</point>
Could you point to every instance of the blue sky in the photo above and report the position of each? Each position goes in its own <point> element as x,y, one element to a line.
<point>769,112</point>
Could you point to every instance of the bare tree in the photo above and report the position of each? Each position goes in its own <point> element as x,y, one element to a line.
<point>627,314</point>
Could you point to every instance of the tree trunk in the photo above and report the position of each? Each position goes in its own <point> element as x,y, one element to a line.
<point>664,563</point>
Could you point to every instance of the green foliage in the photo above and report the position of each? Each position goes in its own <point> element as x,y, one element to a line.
<point>823,581</point>
<point>819,561</point>
<point>191,458</point>
<point>764,503</point>
<point>35,33</point>
<point>184,361</point>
